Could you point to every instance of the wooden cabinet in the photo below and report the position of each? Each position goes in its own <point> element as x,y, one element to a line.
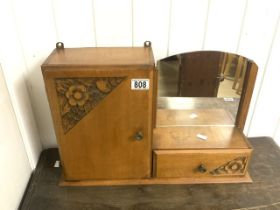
<point>109,131</point>
<point>103,125</point>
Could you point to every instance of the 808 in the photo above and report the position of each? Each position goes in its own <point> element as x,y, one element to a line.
<point>140,84</point>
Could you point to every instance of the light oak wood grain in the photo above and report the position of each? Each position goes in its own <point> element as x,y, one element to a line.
<point>247,92</point>
<point>109,134</point>
<point>101,56</point>
<point>185,137</point>
<point>186,163</point>
<point>102,144</point>
<point>166,117</point>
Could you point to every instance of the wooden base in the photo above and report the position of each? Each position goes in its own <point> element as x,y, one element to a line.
<point>157,181</point>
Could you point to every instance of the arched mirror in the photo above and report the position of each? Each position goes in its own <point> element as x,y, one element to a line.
<point>212,83</point>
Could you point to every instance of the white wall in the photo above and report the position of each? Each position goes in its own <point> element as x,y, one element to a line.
<point>276,135</point>
<point>14,69</point>
<point>14,164</point>
<point>30,29</point>
<point>246,27</point>
<point>268,104</point>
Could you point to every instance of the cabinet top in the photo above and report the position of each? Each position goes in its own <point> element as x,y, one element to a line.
<point>101,56</point>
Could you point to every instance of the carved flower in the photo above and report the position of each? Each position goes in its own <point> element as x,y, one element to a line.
<point>77,95</point>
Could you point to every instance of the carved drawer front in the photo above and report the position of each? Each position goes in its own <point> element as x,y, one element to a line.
<point>200,163</point>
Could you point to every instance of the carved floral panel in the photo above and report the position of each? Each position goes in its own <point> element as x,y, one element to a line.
<point>78,96</point>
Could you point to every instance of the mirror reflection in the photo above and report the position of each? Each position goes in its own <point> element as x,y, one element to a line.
<point>202,74</point>
<point>203,80</point>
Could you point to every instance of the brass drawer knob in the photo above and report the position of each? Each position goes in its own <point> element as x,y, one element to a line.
<point>138,136</point>
<point>202,168</point>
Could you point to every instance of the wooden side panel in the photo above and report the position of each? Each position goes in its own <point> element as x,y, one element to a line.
<point>155,97</point>
<point>200,163</point>
<point>247,92</point>
<point>102,145</point>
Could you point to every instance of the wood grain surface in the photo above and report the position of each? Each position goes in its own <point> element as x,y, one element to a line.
<point>171,117</point>
<point>218,137</point>
<point>187,163</point>
<point>100,56</point>
<point>247,92</point>
<point>107,132</point>
<point>102,144</point>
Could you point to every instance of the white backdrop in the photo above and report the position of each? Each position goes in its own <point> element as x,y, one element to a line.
<point>246,27</point>
<point>14,164</point>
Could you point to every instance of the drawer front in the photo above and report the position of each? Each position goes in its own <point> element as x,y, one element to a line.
<point>200,163</point>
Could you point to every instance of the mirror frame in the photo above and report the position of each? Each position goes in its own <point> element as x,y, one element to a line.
<point>246,94</point>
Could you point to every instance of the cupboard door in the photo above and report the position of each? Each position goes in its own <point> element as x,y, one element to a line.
<point>102,125</point>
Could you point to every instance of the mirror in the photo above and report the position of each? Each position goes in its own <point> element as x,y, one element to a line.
<point>202,80</point>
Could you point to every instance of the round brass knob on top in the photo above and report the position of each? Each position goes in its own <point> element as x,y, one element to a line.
<point>202,168</point>
<point>138,136</point>
<point>147,44</point>
<point>59,45</point>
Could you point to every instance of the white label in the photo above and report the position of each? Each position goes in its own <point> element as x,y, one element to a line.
<point>228,99</point>
<point>140,84</point>
<point>193,116</point>
<point>56,164</point>
<point>201,136</point>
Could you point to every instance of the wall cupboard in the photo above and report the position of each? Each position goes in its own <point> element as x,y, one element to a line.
<point>104,108</point>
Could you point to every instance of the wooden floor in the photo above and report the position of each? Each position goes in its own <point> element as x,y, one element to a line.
<point>264,193</point>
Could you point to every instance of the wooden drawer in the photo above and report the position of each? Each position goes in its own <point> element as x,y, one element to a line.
<point>200,163</point>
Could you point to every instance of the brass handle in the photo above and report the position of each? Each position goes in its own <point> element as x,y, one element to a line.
<point>202,168</point>
<point>138,136</point>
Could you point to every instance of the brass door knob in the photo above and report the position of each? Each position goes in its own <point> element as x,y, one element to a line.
<point>202,168</point>
<point>138,136</point>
